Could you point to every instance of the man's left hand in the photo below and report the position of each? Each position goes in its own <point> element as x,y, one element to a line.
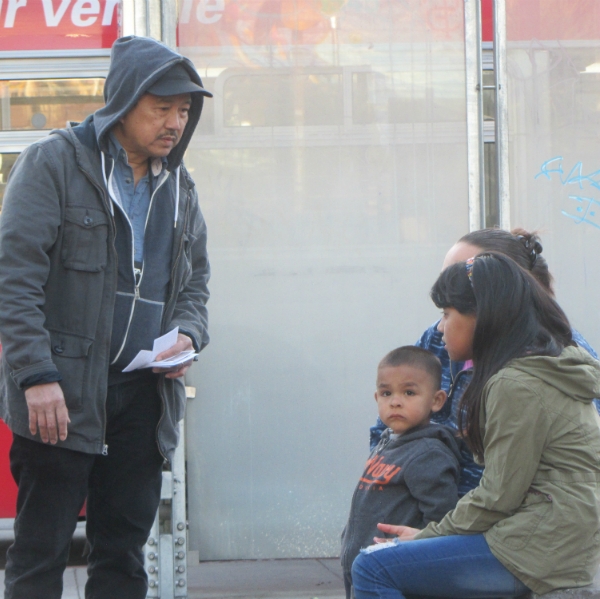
<point>184,343</point>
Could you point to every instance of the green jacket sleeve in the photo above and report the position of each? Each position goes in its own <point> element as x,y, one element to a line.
<point>516,427</point>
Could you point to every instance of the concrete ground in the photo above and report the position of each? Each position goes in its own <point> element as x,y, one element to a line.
<point>252,579</point>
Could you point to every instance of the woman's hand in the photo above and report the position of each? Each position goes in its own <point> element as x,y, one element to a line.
<point>404,533</point>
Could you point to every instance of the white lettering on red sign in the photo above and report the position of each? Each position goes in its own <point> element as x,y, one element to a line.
<point>83,12</point>
<point>58,24</point>
<point>53,18</point>
<point>11,11</point>
<point>207,11</point>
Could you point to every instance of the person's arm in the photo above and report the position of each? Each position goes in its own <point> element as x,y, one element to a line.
<point>190,313</point>
<point>431,340</point>
<point>516,428</point>
<point>582,342</point>
<point>31,217</point>
<point>432,479</point>
<point>375,433</point>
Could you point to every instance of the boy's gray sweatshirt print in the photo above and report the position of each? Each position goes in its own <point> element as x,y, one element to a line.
<point>409,479</point>
<point>60,253</point>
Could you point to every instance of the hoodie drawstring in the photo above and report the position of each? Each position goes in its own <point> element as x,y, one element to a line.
<point>112,210</point>
<point>176,196</point>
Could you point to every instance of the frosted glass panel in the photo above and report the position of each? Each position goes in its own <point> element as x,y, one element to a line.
<point>331,168</point>
<point>554,129</point>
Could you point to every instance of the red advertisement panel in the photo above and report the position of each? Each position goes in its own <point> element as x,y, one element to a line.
<point>58,24</point>
<point>552,20</point>
<point>487,21</point>
<point>8,488</point>
<point>237,23</point>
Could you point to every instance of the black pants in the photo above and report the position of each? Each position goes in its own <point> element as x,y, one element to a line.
<point>123,493</point>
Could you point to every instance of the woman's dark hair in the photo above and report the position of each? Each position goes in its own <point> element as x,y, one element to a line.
<point>516,317</point>
<point>520,245</point>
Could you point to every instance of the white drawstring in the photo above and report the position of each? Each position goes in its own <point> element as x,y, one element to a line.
<point>176,195</point>
<point>112,210</point>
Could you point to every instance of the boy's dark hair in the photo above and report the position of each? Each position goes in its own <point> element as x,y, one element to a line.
<point>516,316</point>
<point>418,357</point>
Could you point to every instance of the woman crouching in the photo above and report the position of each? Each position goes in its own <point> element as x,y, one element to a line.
<point>527,415</point>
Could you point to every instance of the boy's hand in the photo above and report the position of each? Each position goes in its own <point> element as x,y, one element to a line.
<point>404,533</point>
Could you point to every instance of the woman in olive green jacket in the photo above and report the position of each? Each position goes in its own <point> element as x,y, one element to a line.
<point>533,522</point>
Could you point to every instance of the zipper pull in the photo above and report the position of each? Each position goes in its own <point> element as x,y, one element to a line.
<point>137,273</point>
<point>105,450</point>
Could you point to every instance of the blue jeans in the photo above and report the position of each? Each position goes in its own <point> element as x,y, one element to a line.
<point>459,566</point>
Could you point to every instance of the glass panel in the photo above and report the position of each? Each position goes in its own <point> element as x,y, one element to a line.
<point>6,164</point>
<point>48,103</point>
<point>554,118</point>
<point>283,100</point>
<point>333,178</point>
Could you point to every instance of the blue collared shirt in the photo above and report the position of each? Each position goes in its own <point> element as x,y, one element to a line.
<point>133,199</point>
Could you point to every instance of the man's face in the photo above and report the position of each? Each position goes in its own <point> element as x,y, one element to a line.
<point>154,127</point>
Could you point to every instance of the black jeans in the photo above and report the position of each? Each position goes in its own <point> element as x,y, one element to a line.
<point>123,493</point>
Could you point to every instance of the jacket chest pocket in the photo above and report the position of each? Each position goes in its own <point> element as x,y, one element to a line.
<point>85,239</point>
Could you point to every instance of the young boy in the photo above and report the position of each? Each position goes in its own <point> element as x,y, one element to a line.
<point>411,477</point>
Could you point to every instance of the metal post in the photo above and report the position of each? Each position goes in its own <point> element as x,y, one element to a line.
<point>166,549</point>
<point>169,22</point>
<point>152,560</point>
<point>474,83</point>
<point>179,547</point>
<point>501,111</point>
<point>143,17</point>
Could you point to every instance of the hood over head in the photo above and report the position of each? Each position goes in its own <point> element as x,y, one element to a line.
<point>574,373</point>
<point>136,64</point>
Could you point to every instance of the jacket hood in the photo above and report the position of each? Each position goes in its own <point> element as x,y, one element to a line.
<point>136,64</point>
<point>574,373</point>
<point>428,431</point>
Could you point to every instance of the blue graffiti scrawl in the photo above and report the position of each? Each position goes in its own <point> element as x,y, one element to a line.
<point>584,209</point>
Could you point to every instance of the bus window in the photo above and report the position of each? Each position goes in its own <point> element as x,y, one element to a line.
<point>206,125</point>
<point>283,100</point>
<point>47,103</point>
<point>6,163</point>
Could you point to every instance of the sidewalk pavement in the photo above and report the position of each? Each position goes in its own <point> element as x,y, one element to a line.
<point>249,579</point>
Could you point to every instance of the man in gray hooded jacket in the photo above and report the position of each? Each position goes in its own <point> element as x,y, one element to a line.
<point>102,249</point>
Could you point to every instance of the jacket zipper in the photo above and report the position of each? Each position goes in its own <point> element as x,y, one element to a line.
<point>161,382</point>
<point>107,202</point>
<point>137,273</point>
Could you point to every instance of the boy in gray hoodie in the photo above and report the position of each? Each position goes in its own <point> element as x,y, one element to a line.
<point>411,477</point>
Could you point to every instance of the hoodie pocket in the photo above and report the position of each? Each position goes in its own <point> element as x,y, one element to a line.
<point>69,354</point>
<point>85,239</point>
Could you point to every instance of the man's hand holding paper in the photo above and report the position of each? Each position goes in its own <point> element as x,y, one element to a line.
<point>172,354</point>
<point>182,350</point>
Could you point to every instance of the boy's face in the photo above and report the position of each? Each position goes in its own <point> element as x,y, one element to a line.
<point>406,396</point>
